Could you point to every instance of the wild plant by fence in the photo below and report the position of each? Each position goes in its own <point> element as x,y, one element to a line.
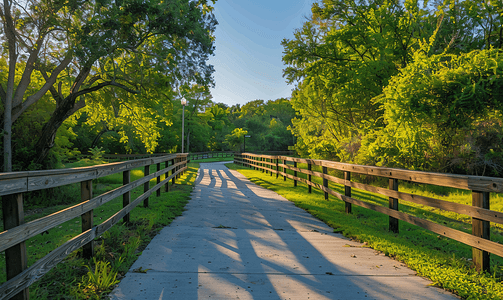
<point>16,232</point>
<point>479,211</point>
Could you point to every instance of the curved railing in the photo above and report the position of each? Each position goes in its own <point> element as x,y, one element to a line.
<point>16,232</point>
<point>480,186</point>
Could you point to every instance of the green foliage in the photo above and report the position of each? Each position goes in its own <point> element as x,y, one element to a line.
<point>438,112</point>
<point>400,84</point>
<point>266,122</point>
<point>96,153</point>
<point>340,60</point>
<point>120,64</point>
<point>99,281</point>
<point>236,138</point>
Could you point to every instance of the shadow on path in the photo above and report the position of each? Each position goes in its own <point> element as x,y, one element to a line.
<point>240,241</point>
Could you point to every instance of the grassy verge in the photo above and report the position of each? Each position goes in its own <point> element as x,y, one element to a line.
<point>115,250</point>
<point>214,159</point>
<point>445,262</point>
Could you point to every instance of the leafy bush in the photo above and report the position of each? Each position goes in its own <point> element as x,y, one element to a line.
<point>99,281</point>
<point>96,153</point>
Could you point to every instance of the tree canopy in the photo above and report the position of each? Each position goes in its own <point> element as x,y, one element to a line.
<point>137,52</point>
<point>399,83</point>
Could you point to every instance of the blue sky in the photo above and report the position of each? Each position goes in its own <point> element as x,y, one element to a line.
<point>248,51</point>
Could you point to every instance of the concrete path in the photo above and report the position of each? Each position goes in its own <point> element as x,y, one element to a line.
<point>240,241</point>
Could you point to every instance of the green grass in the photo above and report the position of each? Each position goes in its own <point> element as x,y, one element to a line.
<point>120,246</point>
<point>214,159</point>
<point>445,262</point>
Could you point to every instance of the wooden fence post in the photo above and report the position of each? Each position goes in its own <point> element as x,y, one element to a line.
<point>284,169</point>
<point>158,193</point>
<point>126,197</point>
<point>325,182</point>
<point>173,171</point>
<point>277,167</point>
<point>347,191</point>
<point>262,165</point>
<point>86,192</point>
<point>271,160</point>
<point>185,165</point>
<point>178,167</point>
<point>146,185</point>
<point>393,204</point>
<point>166,186</point>
<point>16,258</point>
<point>309,187</point>
<point>481,229</point>
<point>295,173</point>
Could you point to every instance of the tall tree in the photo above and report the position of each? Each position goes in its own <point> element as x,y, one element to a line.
<point>76,46</point>
<point>340,61</point>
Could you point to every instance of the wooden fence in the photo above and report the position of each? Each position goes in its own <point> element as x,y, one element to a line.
<point>16,232</point>
<point>123,157</point>
<point>210,154</point>
<point>479,211</point>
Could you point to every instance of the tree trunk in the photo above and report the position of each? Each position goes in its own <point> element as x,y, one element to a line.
<point>11,40</point>
<point>46,140</point>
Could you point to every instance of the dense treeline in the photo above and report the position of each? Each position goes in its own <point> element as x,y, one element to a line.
<point>209,126</point>
<point>115,63</point>
<point>80,77</point>
<point>412,84</point>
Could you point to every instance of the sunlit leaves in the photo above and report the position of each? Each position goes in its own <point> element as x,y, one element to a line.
<point>340,61</point>
<point>433,108</point>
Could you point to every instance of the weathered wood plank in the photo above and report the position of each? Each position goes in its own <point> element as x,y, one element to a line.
<point>109,169</point>
<point>126,197</point>
<point>41,267</point>
<point>16,258</point>
<point>463,237</point>
<point>347,191</point>
<point>14,175</point>
<point>481,228</point>
<point>317,174</point>
<point>13,186</point>
<point>44,265</point>
<point>86,192</point>
<point>454,234</point>
<point>479,183</point>
<point>476,212</point>
<point>158,194</point>
<point>28,230</point>
<point>44,182</point>
<point>146,185</point>
<point>309,169</point>
<point>107,224</point>
<point>393,204</point>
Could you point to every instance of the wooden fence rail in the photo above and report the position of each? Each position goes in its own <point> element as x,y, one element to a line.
<point>16,232</point>
<point>480,186</point>
<point>210,154</point>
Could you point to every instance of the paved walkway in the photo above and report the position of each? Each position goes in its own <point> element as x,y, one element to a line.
<point>240,241</point>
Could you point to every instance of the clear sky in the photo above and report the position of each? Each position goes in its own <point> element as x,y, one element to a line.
<point>248,52</point>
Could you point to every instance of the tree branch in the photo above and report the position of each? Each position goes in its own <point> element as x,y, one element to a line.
<point>104,84</point>
<point>20,108</point>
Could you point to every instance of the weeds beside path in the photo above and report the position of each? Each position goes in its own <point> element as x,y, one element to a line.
<point>445,262</point>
